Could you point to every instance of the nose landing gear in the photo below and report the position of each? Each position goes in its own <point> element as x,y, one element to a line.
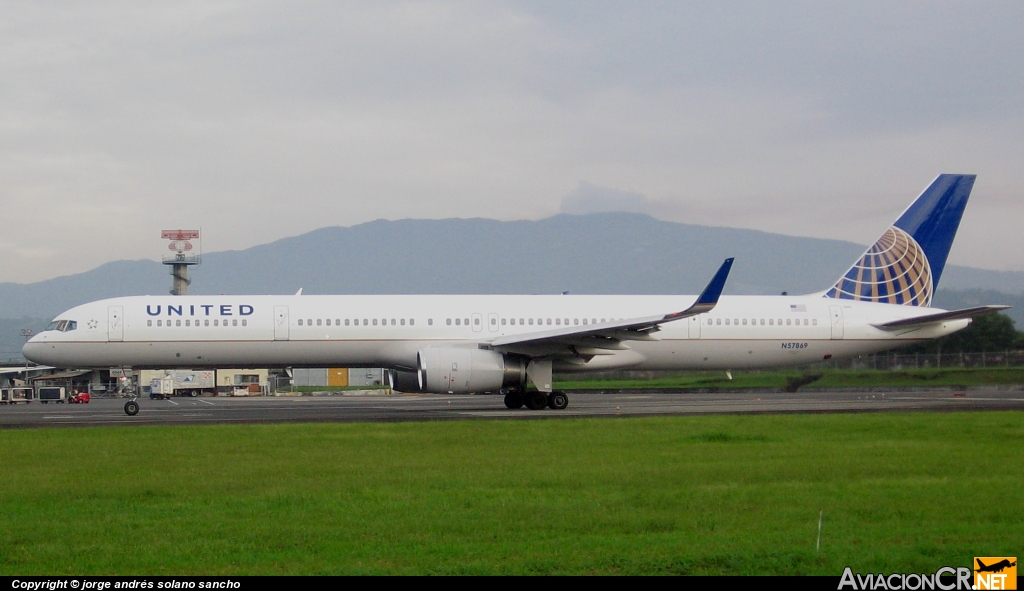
<point>131,408</point>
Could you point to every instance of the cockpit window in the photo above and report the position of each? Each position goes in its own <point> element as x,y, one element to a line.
<point>62,325</point>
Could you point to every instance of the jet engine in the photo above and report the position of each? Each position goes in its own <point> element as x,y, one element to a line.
<point>404,381</point>
<point>461,371</point>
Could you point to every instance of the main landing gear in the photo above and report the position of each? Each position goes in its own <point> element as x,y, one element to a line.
<point>536,400</point>
<point>131,408</point>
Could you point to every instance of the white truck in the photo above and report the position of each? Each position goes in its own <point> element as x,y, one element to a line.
<point>183,383</point>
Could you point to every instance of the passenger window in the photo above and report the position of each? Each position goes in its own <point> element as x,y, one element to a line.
<point>177,322</point>
<point>476,322</point>
<point>366,322</point>
<point>710,321</point>
<point>727,322</point>
<point>762,322</point>
<point>584,321</point>
<point>234,323</point>
<point>771,322</point>
<point>466,321</point>
<point>787,322</point>
<point>531,322</point>
<point>549,322</point>
<point>346,322</point>
<point>402,322</point>
<point>300,322</point>
<point>244,322</point>
<point>558,321</point>
<point>375,322</point>
<point>503,321</point>
<point>458,322</point>
<point>187,322</point>
<point>814,322</point>
<point>412,321</point>
<point>494,321</point>
<point>215,322</point>
<point>319,322</point>
<point>392,322</point>
<point>744,322</point>
<point>149,323</point>
<point>206,323</point>
<point>159,322</point>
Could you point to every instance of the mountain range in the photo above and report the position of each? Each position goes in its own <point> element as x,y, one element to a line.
<point>599,253</point>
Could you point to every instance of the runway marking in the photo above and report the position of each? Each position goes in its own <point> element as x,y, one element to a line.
<point>205,402</point>
<point>173,402</point>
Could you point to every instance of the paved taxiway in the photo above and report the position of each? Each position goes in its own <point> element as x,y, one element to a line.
<point>403,407</point>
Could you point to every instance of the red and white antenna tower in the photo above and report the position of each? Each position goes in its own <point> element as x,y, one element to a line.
<point>181,245</point>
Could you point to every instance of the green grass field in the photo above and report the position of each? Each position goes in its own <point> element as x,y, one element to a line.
<point>677,495</point>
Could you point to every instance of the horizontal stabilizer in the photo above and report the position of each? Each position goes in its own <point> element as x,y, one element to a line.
<point>940,317</point>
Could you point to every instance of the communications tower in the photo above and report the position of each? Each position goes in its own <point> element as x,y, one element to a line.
<point>180,260</point>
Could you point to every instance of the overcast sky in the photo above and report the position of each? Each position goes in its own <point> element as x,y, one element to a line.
<point>260,120</point>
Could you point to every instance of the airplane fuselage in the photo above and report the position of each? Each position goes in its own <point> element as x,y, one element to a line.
<point>388,331</point>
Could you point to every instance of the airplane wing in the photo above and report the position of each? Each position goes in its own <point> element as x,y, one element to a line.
<point>597,339</point>
<point>939,317</point>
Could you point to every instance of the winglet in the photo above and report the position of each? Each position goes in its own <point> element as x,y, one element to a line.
<point>708,298</point>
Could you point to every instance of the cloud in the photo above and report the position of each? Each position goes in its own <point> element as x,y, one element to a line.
<point>588,198</point>
<point>261,120</point>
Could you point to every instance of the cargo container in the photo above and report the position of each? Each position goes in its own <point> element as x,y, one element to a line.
<point>15,395</point>
<point>56,394</point>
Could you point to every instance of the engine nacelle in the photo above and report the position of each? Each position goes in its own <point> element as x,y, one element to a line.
<point>461,371</point>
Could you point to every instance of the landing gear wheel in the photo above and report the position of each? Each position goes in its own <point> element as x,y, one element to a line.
<point>558,400</point>
<point>514,400</point>
<point>131,408</point>
<point>536,400</point>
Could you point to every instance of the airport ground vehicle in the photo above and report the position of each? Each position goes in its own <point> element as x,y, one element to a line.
<point>183,383</point>
<point>80,398</point>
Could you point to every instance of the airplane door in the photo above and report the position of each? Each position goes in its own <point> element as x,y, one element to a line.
<point>115,323</point>
<point>695,327</point>
<point>492,322</point>
<point>478,322</point>
<point>281,323</point>
<point>837,321</point>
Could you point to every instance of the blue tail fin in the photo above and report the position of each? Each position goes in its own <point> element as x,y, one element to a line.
<point>904,265</point>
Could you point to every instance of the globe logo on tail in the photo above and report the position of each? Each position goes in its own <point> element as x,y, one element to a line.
<point>894,271</point>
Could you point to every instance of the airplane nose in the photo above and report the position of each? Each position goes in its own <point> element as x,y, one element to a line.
<point>33,351</point>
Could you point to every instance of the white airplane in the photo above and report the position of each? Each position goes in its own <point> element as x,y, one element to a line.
<point>492,343</point>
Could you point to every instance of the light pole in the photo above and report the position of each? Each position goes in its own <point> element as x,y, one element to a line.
<point>27,333</point>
